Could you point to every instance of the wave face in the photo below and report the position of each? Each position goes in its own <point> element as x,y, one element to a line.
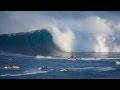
<point>39,42</point>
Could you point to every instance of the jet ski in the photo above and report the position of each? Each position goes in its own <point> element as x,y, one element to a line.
<point>72,58</point>
<point>63,70</point>
<point>44,68</point>
<point>10,67</point>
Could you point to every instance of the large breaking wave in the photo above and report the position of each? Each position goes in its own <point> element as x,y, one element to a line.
<point>39,42</point>
<point>70,31</point>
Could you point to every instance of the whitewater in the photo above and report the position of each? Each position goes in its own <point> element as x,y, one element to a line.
<point>89,32</point>
<point>37,39</point>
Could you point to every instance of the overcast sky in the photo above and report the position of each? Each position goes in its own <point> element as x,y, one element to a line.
<point>17,21</point>
<point>97,30</point>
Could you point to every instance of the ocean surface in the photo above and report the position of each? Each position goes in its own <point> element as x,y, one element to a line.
<point>87,66</point>
<point>32,50</point>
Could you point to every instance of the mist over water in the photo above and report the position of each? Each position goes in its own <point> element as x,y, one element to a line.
<point>71,31</point>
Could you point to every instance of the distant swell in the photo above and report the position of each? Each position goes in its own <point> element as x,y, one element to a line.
<point>39,42</point>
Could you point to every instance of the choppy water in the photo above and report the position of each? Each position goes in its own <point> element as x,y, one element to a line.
<point>87,66</point>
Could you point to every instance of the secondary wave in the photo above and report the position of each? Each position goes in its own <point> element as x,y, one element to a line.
<point>95,68</point>
<point>25,73</point>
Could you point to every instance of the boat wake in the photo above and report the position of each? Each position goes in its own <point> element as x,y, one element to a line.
<point>27,72</point>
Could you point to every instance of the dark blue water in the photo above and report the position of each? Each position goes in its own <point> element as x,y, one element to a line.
<point>88,66</point>
<point>30,43</point>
